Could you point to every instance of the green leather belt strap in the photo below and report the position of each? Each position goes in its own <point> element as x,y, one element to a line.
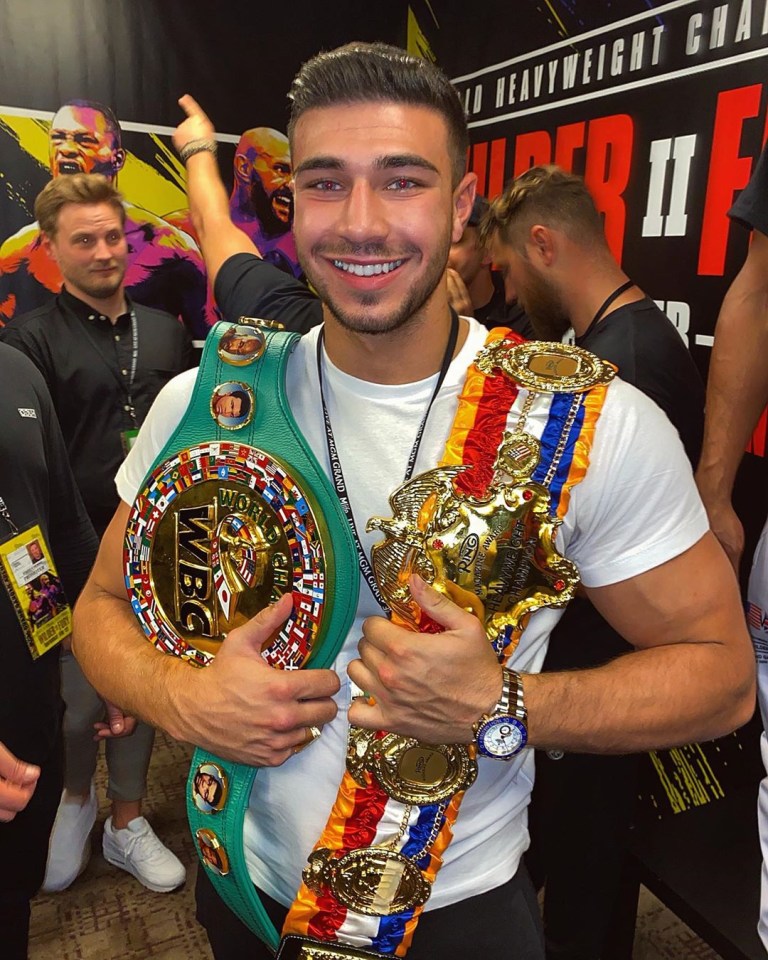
<point>272,430</point>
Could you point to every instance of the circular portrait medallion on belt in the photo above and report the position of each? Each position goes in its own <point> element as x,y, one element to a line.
<point>219,532</point>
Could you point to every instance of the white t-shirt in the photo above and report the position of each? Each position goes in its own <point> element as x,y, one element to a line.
<point>637,508</point>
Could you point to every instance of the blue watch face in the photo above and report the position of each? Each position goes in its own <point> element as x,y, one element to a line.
<point>502,737</point>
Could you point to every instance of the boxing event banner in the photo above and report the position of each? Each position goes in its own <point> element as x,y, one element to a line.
<point>663,111</point>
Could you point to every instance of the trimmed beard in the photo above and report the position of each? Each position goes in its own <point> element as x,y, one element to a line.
<point>411,305</point>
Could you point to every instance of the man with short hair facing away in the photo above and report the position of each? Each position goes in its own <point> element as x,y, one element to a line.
<point>547,237</point>
<point>378,141</point>
<point>104,359</point>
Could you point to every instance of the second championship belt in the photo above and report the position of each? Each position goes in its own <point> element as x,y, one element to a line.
<point>480,527</point>
<point>234,513</point>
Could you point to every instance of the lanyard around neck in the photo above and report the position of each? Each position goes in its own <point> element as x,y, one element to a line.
<point>337,474</point>
<point>611,298</point>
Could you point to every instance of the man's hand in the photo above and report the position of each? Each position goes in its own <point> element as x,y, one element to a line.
<point>242,709</point>
<point>17,784</point>
<point>430,686</point>
<point>727,527</point>
<point>458,295</point>
<point>118,723</point>
<point>197,126</point>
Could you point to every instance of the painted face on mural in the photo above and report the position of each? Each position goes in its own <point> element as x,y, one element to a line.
<point>81,141</point>
<point>375,210</point>
<point>90,249</point>
<point>264,158</point>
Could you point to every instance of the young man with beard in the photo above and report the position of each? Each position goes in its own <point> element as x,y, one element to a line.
<point>378,141</point>
<point>104,359</point>
<point>545,233</point>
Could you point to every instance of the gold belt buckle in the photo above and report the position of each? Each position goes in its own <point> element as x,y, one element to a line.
<point>294,947</point>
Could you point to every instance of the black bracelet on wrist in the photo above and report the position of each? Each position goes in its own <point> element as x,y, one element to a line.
<point>208,145</point>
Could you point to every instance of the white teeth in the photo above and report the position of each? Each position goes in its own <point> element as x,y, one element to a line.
<point>368,269</point>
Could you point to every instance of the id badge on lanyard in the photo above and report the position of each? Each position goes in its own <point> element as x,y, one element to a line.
<point>31,580</point>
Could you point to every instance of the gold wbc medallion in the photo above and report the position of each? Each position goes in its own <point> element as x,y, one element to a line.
<point>212,852</point>
<point>232,404</point>
<point>407,770</point>
<point>546,367</point>
<point>241,344</point>
<point>209,788</point>
<point>374,881</point>
<point>219,533</point>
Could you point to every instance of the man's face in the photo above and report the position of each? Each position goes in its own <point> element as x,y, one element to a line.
<point>206,786</point>
<point>90,248</point>
<point>537,295</point>
<point>242,345</point>
<point>466,256</point>
<point>227,405</point>
<point>80,141</point>
<point>268,167</point>
<point>375,210</point>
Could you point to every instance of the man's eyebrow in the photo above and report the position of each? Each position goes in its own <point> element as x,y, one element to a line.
<point>397,160</point>
<point>386,162</point>
<point>319,163</point>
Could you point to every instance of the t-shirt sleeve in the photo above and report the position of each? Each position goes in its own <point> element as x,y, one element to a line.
<point>164,416</point>
<point>638,506</point>
<point>751,206</point>
<point>247,286</point>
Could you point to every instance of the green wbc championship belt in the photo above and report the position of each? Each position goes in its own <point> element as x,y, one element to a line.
<point>234,513</point>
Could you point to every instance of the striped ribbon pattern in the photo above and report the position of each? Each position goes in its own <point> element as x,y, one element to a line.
<point>365,816</point>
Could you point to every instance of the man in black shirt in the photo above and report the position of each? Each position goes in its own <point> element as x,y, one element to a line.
<point>104,359</point>
<point>474,289</point>
<point>547,236</point>
<point>36,487</point>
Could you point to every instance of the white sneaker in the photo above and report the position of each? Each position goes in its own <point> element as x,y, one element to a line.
<point>70,850</point>
<point>137,849</point>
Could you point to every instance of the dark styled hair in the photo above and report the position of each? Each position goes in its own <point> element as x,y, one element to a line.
<point>74,188</point>
<point>376,72</point>
<point>245,402</point>
<point>547,195</point>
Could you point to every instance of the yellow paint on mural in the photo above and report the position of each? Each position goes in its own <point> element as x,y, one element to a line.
<point>139,182</point>
<point>417,43</point>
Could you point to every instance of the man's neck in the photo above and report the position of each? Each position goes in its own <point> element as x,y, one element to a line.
<point>590,292</point>
<point>411,353</point>
<point>481,290</point>
<point>112,307</point>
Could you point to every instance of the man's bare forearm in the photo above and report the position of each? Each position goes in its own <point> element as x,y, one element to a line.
<point>737,388</point>
<point>644,700</point>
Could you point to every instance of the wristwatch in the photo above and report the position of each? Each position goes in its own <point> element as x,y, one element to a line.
<point>502,733</point>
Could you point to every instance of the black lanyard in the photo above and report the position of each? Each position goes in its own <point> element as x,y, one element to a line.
<point>6,515</point>
<point>127,389</point>
<point>606,303</point>
<point>337,474</point>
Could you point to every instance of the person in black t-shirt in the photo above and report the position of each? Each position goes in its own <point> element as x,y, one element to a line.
<point>474,289</point>
<point>547,236</point>
<point>37,487</point>
<point>104,359</point>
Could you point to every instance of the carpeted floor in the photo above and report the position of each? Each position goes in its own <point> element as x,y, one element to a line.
<point>107,915</point>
